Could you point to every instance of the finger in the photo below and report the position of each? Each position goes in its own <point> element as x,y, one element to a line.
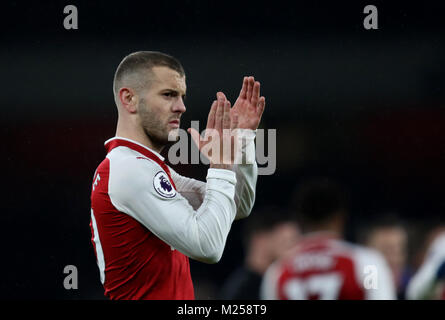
<point>256,93</point>
<point>221,95</point>
<point>219,115</point>
<point>226,115</point>
<point>233,112</point>
<point>243,92</point>
<point>234,120</point>
<point>250,83</point>
<point>196,137</point>
<point>211,117</point>
<point>261,106</point>
<point>227,153</point>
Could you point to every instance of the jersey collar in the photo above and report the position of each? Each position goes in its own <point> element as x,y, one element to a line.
<point>112,143</point>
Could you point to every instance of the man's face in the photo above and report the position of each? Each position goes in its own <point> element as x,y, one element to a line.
<point>161,105</point>
<point>392,243</point>
<point>282,238</point>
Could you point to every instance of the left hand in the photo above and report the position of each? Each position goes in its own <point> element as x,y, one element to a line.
<point>249,106</point>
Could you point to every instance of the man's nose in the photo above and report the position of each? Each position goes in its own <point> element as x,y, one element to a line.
<point>179,106</point>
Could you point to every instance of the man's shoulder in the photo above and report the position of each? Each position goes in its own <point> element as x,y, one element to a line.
<point>364,256</point>
<point>357,250</point>
<point>129,158</point>
<point>336,248</point>
<point>132,174</point>
<point>129,165</point>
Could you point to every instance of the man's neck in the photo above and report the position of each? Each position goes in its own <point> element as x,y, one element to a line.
<point>136,134</point>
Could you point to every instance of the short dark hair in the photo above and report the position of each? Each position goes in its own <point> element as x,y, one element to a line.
<point>140,61</point>
<point>317,200</point>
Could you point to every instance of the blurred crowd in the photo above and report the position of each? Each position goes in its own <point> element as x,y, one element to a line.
<point>300,251</point>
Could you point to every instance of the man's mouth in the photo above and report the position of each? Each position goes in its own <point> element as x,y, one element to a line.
<point>174,123</point>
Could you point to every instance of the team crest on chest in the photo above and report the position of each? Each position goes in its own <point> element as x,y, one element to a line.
<point>163,186</point>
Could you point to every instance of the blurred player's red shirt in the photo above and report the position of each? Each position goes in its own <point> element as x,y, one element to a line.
<point>323,267</point>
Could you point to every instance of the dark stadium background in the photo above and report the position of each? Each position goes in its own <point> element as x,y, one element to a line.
<point>365,107</point>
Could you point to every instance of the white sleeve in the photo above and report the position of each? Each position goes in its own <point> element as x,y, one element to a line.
<point>269,284</point>
<point>374,275</point>
<point>246,176</point>
<point>422,284</point>
<point>201,234</point>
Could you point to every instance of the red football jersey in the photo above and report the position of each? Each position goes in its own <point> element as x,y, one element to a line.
<point>323,267</point>
<point>133,262</point>
<point>147,220</point>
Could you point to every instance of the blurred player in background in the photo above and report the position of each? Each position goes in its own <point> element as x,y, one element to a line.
<point>389,236</point>
<point>147,220</point>
<point>267,234</point>
<point>429,280</point>
<point>322,265</point>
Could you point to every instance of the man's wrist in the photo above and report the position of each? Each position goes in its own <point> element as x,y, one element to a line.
<point>245,146</point>
<point>221,166</point>
<point>228,175</point>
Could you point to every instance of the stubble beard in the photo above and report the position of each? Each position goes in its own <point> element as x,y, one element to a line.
<point>153,127</point>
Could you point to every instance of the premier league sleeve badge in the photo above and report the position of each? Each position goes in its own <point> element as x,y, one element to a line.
<point>163,186</point>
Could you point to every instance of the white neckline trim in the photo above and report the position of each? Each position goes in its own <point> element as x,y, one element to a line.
<point>135,142</point>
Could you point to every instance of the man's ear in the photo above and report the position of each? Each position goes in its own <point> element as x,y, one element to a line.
<point>128,99</point>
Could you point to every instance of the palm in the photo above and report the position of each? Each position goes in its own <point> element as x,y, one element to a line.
<point>247,114</point>
<point>217,138</point>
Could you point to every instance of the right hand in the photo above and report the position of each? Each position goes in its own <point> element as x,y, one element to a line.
<point>217,144</point>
